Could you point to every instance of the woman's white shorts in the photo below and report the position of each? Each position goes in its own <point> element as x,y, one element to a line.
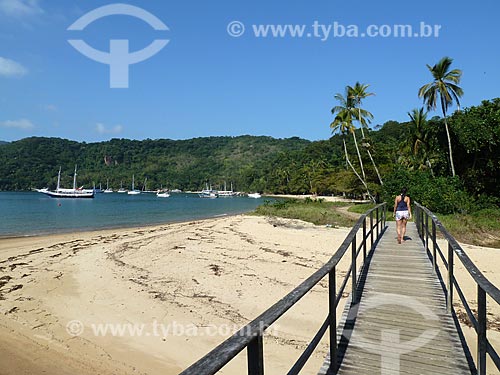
<point>400,215</point>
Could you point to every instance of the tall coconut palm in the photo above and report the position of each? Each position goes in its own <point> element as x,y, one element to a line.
<point>343,124</point>
<point>419,138</point>
<point>445,86</point>
<point>357,93</point>
<point>347,108</point>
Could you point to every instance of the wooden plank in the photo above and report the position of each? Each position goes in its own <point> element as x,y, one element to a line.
<point>400,325</point>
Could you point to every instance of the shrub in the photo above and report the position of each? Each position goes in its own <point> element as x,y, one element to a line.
<point>444,195</point>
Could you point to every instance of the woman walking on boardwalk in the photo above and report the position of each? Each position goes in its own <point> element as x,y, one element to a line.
<point>402,213</point>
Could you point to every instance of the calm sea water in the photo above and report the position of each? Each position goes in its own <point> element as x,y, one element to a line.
<point>31,213</point>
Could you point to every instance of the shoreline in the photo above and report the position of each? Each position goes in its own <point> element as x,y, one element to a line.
<point>326,198</point>
<point>115,228</point>
<point>220,272</point>
<point>216,272</point>
<point>152,212</point>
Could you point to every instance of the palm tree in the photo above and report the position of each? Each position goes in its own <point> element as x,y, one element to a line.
<point>418,139</point>
<point>343,124</point>
<point>357,94</point>
<point>445,86</point>
<point>347,108</point>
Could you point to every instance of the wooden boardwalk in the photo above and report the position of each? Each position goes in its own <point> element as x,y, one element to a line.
<point>400,325</point>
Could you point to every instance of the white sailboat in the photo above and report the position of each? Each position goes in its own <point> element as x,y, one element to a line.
<point>67,193</point>
<point>121,189</point>
<point>227,193</point>
<point>208,193</point>
<point>108,190</point>
<point>162,193</point>
<point>133,191</point>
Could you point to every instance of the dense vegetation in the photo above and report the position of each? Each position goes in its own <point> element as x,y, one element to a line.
<point>185,164</point>
<point>405,153</point>
<point>315,211</point>
<point>451,164</point>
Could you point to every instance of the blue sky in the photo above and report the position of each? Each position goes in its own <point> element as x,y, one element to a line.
<point>206,82</point>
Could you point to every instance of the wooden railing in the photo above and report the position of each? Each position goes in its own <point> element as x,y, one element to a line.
<point>427,232</point>
<point>251,336</point>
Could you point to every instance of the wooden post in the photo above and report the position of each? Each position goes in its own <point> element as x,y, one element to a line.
<point>333,321</point>
<point>481,331</point>
<point>434,247</point>
<point>255,352</point>
<point>449,299</point>
<point>371,229</point>
<point>364,240</point>
<point>426,232</point>
<point>416,213</point>
<point>353,270</point>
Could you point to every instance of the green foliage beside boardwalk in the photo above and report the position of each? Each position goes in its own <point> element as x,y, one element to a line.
<point>311,210</point>
<point>480,228</point>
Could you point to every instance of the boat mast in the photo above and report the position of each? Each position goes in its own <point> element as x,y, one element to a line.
<point>132,182</point>
<point>59,179</point>
<point>74,179</point>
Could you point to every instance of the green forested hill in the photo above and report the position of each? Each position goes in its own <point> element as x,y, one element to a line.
<point>186,164</point>
<point>412,154</point>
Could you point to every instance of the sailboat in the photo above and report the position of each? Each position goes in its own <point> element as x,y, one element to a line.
<point>108,190</point>
<point>208,193</point>
<point>67,193</point>
<point>121,189</point>
<point>133,191</point>
<point>254,195</point>
<point>162,194</point>
<point>227,193</point>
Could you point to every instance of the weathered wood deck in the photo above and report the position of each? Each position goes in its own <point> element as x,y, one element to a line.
<point>400,325</point>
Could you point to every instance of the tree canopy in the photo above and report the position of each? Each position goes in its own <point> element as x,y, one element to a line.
<point>413,153</point>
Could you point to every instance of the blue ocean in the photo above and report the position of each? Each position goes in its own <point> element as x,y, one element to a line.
<point>31,213</point>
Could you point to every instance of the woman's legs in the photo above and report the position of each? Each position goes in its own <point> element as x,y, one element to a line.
<point>403,228</point>
<point>398,229</point>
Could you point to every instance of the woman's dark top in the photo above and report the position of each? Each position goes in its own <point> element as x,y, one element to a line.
<point>402,206</point>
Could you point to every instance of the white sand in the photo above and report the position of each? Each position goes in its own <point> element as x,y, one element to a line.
<point>197,279</point>
<point>212,275</point>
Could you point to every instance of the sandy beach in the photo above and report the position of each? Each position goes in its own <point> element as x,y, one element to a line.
<point>190,285</point>
<point>154,300</point>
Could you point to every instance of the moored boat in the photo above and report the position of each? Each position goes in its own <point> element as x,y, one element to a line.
<point>133,191</point>
<point>208,193</point>
<point>67,193</point>
<point>108,189</point>
<point>121,189</point>
<point>227,193</point>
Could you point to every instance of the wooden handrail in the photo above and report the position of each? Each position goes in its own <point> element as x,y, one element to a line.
<point>484,286</point>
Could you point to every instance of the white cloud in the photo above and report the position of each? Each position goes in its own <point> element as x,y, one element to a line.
<point>20,8</point>
<point>101,129</point>
<point>22,124</point>
<point>10,68</point>
<point>50,107</point>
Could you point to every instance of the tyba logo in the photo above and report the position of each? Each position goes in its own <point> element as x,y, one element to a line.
<point>119,57</point>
